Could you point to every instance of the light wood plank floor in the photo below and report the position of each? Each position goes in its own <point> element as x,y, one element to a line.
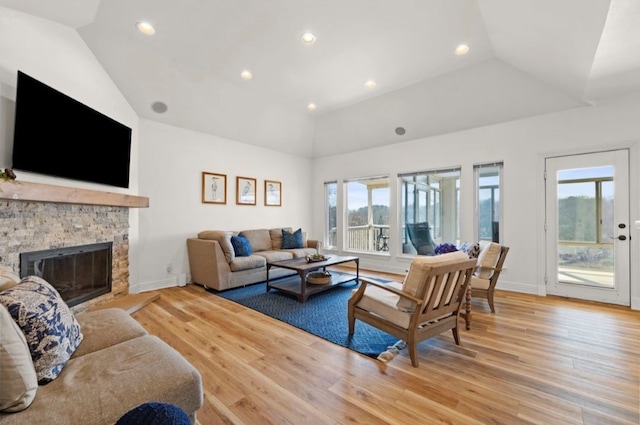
<point>538,360</point>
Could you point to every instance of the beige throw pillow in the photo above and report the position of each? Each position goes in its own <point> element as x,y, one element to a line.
<point>260,239</point>
<point>224,239</point>
<point>488,257</point>
<point>18,375</point>
<point>8,278</point>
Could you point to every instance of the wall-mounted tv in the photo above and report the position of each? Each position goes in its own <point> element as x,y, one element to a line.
<point>56,135</point>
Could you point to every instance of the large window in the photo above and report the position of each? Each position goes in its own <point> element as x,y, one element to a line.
<point>429,209</point>
<point>331,216</point>
<point>367,214</point>
<point>488,206</point>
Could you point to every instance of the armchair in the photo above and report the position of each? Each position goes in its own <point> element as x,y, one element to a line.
<point>426,304</point>
<point>484,280</point>
<point>420,237</point>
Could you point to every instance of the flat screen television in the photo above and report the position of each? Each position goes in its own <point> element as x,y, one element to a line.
<point>56,135</point>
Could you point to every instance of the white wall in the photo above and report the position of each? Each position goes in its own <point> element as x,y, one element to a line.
<point>522,145</point>
<point>171,166</point>
<point>56,55</point>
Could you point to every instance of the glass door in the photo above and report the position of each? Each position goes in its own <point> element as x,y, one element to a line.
<point>587,221</point>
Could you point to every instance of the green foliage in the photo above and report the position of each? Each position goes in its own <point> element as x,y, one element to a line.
<point>578,219</point>
<point>359,217</point>
<point>7,174</point>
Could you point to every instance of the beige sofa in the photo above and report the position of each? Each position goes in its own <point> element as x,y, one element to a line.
<point>213,262</point>
<point>116,367</point>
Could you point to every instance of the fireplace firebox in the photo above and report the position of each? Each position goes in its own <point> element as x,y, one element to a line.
<point>78,273</point>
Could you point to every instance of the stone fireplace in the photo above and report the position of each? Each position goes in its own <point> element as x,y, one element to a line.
<point>36,217</point>
<point>38,226</point>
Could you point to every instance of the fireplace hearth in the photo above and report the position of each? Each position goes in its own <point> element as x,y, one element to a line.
<point>79,273</point>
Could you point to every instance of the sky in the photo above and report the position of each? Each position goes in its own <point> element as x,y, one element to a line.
<point>357,196</point>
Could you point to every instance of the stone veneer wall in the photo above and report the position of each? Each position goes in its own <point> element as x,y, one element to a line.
<point>34,226</point>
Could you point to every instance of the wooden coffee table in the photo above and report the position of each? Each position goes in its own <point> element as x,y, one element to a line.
<point>299,286</point>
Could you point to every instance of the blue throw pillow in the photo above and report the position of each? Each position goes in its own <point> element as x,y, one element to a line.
<point>291,240</point>
<point>155,413</point>
<point>241,246</point>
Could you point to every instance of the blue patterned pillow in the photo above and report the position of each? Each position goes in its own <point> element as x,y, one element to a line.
<point>49,326</point>
<point>471,249</point>
<point>291,240</point>
<point>241,246</point>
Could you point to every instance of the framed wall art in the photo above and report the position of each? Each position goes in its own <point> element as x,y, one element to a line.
<point>245,191</point>
<point>214,188</point>
<point>272,193</point>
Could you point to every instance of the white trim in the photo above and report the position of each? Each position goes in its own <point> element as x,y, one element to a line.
<point>517,287</point>
<point>154,285</point>
<point>634,210</point>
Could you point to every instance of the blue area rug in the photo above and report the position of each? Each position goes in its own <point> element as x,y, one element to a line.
<point>323,315</point>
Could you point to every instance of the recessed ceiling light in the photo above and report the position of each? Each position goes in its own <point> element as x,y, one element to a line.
<point>311,106</point>
<point>145,28</point>
<point>462,49</point>
<point>370,84</point>
<point>308,38</point>
<point>246,75</point>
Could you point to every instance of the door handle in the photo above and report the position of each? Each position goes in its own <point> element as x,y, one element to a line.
<point>622,237</point>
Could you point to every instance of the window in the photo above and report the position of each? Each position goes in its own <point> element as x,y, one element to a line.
<point>331,215</point>
<point>430,202</point>
<point>367,214</point>
<point>488,179</point>
<point>586,225</point>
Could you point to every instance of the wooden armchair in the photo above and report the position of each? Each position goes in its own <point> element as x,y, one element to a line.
<point>426,304</point>
<point>484,280</point>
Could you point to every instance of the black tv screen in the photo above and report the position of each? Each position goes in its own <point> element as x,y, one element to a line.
<point>56,135</point>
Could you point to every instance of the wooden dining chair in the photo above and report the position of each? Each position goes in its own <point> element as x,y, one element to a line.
<point>424,305</point>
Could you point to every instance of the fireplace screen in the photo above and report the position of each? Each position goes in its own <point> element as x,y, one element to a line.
<point>78,273</point>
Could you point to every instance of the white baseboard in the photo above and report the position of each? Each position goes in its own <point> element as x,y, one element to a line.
<point>154,285</point>
<point>517,287</point>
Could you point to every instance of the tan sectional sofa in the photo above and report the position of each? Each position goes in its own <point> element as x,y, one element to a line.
<point>116,367</point>
<point>213,262</point>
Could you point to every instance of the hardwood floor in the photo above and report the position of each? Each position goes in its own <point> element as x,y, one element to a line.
<point>537,360</point>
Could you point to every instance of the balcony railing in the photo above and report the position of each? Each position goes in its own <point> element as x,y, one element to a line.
<point>363,238</point>
<point>368,238</point>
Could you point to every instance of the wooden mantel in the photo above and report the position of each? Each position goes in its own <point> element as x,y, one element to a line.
<point>16,190</point>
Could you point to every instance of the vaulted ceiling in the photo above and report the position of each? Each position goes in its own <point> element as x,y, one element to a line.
<point>526,58</point>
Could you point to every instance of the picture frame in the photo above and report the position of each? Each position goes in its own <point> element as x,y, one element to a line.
<point>214,188</point>
<point>272,193</point>
<point>245,191</point>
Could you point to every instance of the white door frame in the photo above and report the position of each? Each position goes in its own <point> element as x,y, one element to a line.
<point>621,290</point>
<point>634,209</point>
